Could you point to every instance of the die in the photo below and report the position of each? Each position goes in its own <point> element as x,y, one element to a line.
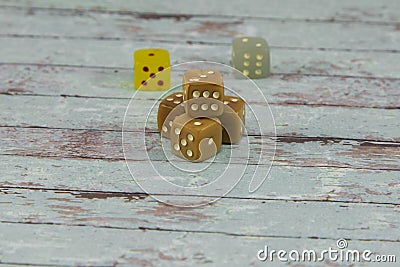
<point>233,119</point>
<point>206,88</point>
<point>195,139</point>
<point>170,107</point>
<point>151,69</point>
<point>250,55</point>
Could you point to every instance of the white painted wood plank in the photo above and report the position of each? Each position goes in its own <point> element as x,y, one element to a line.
<point>279,89</point>
<point>115,245</point>
<point>231,216</point>
<point>108,114</point>
<point>18,264</point>
<point>283,182</point>
<point>75,246</point>
<point>301,152</point>
<point>279,33</point>
<point>351,10</point>
<point>116,54</point>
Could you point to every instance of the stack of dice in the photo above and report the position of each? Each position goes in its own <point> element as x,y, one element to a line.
<point>201,118</point>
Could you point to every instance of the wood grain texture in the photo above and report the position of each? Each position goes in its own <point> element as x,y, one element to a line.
<point>327,11</point>
<point>117,53</point>
<point>211,29</point>
<point>108,114</point>
<point>290,151</point>
<point>67,197</point>
<point>90,246</point>
<point>324,184</point>
<point>245,217</point>
<point>278,89</point>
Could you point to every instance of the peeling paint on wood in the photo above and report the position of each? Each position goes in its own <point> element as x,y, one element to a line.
<point>278,89</point>
<point>74,245</point>
<point>290,151</point>
<point>108,114</point>
<point>113,54</point>
<point>327,11</point>
<point>218,30</point>
<point>67,197</point>
<point>112,179</point>
<point>246,217</point>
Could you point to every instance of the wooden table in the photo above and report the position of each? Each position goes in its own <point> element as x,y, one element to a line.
<point>67,197</point>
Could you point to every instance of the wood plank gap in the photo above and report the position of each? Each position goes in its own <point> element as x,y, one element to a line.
<point>141,195</point>
<point>159,229</point>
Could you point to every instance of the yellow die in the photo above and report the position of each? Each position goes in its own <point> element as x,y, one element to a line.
<point>151,69</point>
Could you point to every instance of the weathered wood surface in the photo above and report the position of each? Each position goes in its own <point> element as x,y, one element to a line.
<point>67,197</point>
<point>279,89</point>
<point>247,217</point>
<point>292,183</point>
<point>290,151</point>
<point>113,54</point>
<point>327,11</point>
<point>210,29</point>
<point>108,114</point>
<point>121,247</point>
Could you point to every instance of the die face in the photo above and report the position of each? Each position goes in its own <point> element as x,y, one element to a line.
<point>195,139</point>
<point>170,107</point>
<point>250,55</point>
<point>204,107</point>
<point>203,86</point>
<point>237,105</point>
<point>245,42</point>
<point>205,90</point>
<point>151,69</point>
<point>202,76</point>
<point>232,120</point>
<point>207,82</point>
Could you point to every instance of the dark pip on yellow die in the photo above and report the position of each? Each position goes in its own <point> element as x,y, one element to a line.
<point>151,69</point>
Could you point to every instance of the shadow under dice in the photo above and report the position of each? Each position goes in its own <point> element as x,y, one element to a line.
<point>250,55</point>
<point>195,139</point>
<point>151,69</point>
<point>200,86</point>
<point>169,108</point>
<point>233,119</point>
